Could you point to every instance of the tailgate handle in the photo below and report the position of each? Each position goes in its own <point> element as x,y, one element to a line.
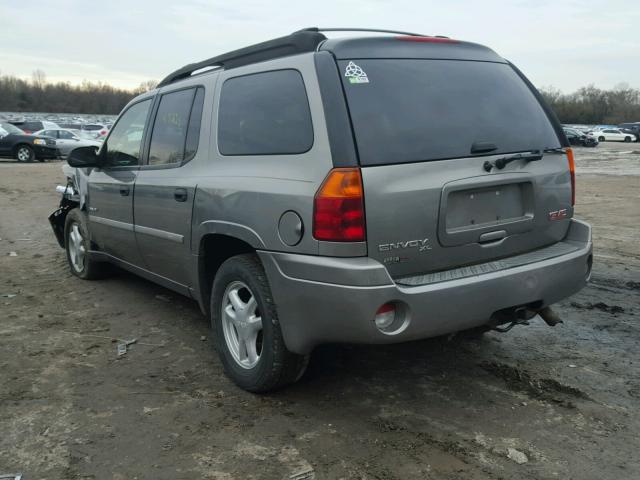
<point>492,236</point>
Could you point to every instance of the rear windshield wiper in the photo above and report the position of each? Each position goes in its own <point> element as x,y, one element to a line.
<point>501,162</point>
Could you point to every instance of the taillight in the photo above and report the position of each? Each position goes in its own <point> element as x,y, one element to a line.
<point>103,132</point>
<point>572,172</point>
<point>338,209</point>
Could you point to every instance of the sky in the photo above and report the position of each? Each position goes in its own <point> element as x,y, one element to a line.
<point>563,43</point>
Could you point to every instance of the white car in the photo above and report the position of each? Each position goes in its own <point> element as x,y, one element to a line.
<point>612,135</point>
<point>67,140</point>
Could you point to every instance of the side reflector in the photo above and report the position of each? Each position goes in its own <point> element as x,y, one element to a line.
<point>338,210</point>
<point>572,172</point>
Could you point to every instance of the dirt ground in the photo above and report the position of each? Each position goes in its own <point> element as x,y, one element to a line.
<point>535,403</point>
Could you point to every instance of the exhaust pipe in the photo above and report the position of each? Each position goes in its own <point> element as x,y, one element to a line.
<point>550,317</point>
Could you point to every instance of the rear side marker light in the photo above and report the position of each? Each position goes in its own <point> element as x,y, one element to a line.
<point>572,172</point>
<point>338,207</point>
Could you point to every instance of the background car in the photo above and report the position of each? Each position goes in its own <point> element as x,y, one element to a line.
<point>98,129</point>
<point>66,140</point>
<point>70,126</point>
<point>576,137</point>
<point>632,128</point>
<point>30,126</point>
<point>25,147</point>
<point>612,135</point>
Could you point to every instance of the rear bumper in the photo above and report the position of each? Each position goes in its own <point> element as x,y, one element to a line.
<point>326,300</point>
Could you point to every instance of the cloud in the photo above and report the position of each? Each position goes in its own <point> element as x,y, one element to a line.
<point>562,43</point>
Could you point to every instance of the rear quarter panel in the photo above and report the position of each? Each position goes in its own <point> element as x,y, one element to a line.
<point>245,196</point>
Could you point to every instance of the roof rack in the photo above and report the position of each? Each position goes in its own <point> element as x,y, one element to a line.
<point>298,42</point>
<point>305,40</point>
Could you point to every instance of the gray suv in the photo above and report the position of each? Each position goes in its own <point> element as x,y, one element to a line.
<point>308,190</point>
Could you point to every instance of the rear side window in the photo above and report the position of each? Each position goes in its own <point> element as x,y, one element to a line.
<point>418,110</point>
<point>195,121</point>
<point>176,129</point>
<point>264,114</point>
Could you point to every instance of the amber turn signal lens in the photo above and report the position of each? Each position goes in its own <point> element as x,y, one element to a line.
<point>338,214</point>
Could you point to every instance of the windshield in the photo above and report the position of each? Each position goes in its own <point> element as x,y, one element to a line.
<point>411,110</point>
<point>9,128</point>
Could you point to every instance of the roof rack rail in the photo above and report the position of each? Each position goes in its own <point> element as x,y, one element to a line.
<point>371,30</point>
<point>298,42</point>
<point>305,40</point>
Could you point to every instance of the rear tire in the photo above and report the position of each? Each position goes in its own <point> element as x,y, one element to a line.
<point>246,330</point>
<point>24,153</point>
<point>627,139</point>
<point>77,241</point>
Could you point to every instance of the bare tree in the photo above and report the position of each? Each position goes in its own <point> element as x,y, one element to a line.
<point>39,79</point>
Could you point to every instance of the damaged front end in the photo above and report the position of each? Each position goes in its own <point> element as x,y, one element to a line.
<point>70,199</point>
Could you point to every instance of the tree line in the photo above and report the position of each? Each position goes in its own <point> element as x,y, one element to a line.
<point>39,95</point>
<point>588,105</point>
<point>592,106</point>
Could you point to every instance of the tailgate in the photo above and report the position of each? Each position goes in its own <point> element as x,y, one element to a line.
<point>422,217</point>
<point>424,130</point>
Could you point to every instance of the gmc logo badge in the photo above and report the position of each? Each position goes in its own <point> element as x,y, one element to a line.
<point>558,214</point>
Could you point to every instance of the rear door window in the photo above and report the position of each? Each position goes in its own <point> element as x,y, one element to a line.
<point>264,114</point>
<point>170,128</point>
<point>408,110</point>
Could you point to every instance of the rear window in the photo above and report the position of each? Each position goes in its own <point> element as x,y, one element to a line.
<point>30,126</point>
<point>264,114</point>
<point>418,110</point>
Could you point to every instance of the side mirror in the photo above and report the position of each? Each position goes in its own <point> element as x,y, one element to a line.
<point>83,157</point>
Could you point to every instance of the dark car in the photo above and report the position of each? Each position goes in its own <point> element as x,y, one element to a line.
<point>578,138</point>
<point>32,126</point>
<point>632,128</point>
<point>24,147</point>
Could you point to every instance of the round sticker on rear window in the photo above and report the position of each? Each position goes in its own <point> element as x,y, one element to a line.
<point>355,74</point>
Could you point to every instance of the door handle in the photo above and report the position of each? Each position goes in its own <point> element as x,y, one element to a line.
<point>124,190</point>
<point>180,194</point>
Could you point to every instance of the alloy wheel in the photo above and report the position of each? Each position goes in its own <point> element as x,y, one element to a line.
<point>24,154</point>
<point>242,324</point>
<point>77,251</point>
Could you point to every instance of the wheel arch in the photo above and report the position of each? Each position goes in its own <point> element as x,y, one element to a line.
<point>17,146</point>
<point>213,250</point>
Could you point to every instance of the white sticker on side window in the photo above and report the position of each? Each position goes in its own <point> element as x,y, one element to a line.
<point>355,74</point>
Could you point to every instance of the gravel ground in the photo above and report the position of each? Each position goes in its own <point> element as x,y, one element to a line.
<point>535,403</point>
